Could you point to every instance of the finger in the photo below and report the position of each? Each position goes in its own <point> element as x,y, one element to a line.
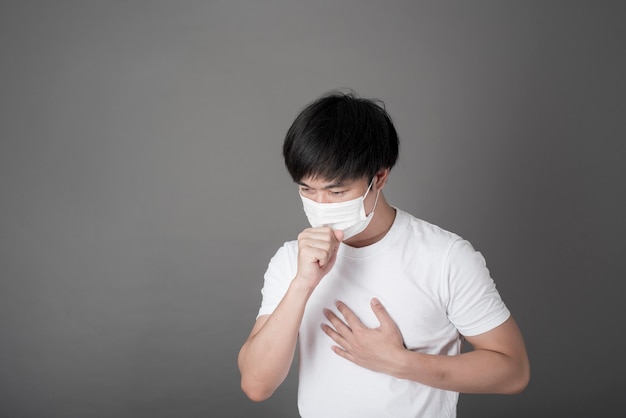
<point>305,242</point>
<point>381,313</point>
<point>343,353</point>
<point>335,336</point>
<point>323,233</point>
<point>314,255</point>
<point>315,250</point>
<point>341,327</point>
<point>350,317</point>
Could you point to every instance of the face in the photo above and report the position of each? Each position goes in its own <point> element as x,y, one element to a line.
<point>324,191</point>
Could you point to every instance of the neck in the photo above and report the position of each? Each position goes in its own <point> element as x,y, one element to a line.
<point>384,215</point>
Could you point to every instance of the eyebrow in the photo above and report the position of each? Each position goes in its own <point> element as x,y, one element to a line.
<point>328,186</point>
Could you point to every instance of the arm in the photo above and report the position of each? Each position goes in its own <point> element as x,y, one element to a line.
<point>498,363</point>
<point>265,357</point>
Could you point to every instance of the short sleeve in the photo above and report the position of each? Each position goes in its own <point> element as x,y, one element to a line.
<point>280,272</point>
<point>474,304</point>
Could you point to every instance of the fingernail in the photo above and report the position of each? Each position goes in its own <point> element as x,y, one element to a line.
<point>375,301</point>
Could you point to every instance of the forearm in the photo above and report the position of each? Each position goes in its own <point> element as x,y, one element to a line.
<point>479,371</point>
<point>264,360</point>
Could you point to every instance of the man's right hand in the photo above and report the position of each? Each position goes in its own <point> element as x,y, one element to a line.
<point>317,252</point>
<point>267,354</point>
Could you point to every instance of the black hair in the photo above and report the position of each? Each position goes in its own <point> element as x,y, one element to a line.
<point>340,137</point>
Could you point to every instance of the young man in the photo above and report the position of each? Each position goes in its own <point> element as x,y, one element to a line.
<point>379,300</point>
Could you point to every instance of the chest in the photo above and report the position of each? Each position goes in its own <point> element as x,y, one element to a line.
<point>412,291</point>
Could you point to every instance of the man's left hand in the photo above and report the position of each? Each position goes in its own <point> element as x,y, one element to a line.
<point>372,348</point>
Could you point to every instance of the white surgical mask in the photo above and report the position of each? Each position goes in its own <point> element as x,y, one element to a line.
<point>348,216</point>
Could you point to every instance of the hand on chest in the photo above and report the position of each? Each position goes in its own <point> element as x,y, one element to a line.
<point>412,298</point>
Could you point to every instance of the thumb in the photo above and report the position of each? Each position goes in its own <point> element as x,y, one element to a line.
<point>338,234</point>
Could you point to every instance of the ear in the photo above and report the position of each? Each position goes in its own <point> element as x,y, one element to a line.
<point>381,178</point>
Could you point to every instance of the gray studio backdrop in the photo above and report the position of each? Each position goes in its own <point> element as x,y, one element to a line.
<point>142,190</point>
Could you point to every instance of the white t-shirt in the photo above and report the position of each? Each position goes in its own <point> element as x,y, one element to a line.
<point>433,284</point>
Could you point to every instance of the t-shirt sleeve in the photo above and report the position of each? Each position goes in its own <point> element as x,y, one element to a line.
<point>474,304</point>
<point>280,272</point>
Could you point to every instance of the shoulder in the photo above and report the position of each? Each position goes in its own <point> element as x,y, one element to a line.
<point>289,248</point>
<point>426,233</point>
<point>285,256</point>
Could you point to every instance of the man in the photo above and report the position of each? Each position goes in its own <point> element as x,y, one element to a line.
<point>379,300</point>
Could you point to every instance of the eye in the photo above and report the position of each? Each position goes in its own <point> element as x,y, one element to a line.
<point>337,193</point>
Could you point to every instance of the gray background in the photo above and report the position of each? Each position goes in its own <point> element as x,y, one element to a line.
<point>143,191</point>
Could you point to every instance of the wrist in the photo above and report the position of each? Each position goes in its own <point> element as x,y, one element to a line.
<point>302,286</point>
<point>404,363</point>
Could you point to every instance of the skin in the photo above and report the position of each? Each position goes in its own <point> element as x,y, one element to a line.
<point>498,363</point>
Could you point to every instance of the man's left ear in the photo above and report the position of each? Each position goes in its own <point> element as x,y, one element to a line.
<point>381,178</point>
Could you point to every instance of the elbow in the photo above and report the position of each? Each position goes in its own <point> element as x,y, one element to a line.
<point>254,387</point>
<point>256,393</point>
<point>523,381</point>
<point>517,387</point>
<point>519,383</point>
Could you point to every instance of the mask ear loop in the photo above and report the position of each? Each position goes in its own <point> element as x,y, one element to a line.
<point>369,188</point>
<point>375,201</point>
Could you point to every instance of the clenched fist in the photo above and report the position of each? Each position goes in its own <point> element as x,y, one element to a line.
<point>317,252</point>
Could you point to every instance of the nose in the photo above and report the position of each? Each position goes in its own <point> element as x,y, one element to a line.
<point>322,197</point>
<point>319,197</point>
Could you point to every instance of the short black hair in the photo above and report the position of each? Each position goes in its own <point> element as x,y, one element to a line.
<point>340,137</point>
